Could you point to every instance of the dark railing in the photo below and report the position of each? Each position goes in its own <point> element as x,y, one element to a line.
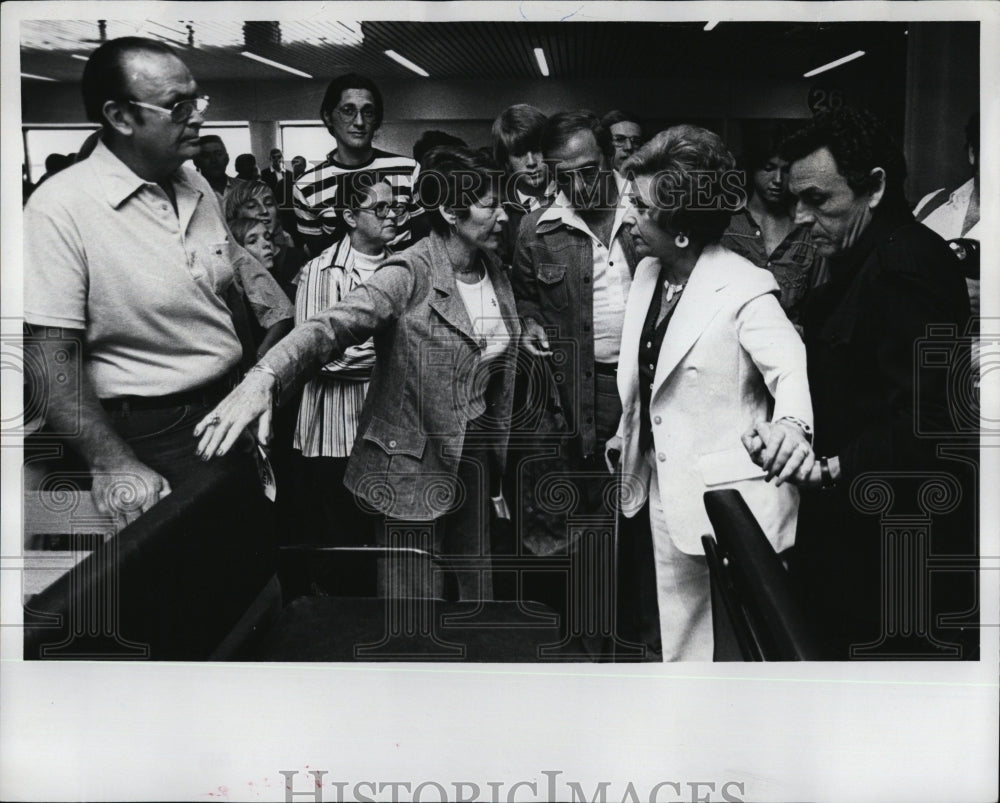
<point>758,613</point>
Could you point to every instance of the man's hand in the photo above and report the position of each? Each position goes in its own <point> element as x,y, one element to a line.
<point>533,339</point>
<point>127,490</point>
<point>781,449</point>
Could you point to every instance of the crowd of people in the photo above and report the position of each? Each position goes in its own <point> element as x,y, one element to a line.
<point>581,322</point>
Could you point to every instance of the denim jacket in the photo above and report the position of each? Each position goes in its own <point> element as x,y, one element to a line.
<point>412,429</point>
<point>553,274</point>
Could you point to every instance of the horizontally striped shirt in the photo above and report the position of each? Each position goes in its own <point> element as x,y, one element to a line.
<point>315,195</point>
<point>331,404</point>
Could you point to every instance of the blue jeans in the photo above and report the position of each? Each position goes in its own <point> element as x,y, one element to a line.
<point>163,439</point>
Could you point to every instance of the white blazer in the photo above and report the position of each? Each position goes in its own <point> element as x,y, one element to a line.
<point>729,354</point>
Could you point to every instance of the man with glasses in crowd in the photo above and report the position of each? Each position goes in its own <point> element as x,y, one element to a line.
<point>572,270</point>
<point>352,112</point>
<point>626,135</point>
<point>127,257</point>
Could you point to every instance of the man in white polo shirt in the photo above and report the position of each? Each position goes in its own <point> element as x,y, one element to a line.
<point>128,254</point>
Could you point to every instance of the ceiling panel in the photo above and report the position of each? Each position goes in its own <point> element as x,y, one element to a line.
<point>472,50</point>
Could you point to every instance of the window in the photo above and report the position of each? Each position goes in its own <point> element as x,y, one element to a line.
<point>40,141</point>
<point>312,141</point>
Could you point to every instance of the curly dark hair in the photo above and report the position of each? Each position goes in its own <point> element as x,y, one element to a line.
<point>859,142</point>
<point>695,185</point>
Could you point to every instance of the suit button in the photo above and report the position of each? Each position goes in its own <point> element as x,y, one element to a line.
<point>661,457</point>
<point>586,327</point>
<point>657,420</point>
<point>588,374</point>
<point>586,280</point>
<point>392,444</point>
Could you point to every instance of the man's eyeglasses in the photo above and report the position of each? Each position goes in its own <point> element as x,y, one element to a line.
<point>181,111</point>
<point>588,174</point>
<point>618,140</point>
<point>348,112</point>
<point>382,209</point>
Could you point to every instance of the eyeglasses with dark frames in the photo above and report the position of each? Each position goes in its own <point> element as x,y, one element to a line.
<point>382,209</point>
<point>348,112</point>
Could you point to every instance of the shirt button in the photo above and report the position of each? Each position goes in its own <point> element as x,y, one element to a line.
<point>650,385</point>
<point>392,444</point>
<point>588,374</point>
<point>652,367</point>
<point>611,263</point>
<point>757,232</point>
<point>657,420</point>
<point>586,280</point>
<point>586,327</point>
<point>649,344</point>
<point>661,456</point>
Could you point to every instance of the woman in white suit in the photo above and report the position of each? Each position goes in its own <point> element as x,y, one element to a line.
<point>706,351</point>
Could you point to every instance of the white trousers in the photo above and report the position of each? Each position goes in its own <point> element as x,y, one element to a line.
<point>682,591</point>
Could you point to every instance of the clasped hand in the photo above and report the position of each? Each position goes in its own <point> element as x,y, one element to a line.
<point>783,451</point>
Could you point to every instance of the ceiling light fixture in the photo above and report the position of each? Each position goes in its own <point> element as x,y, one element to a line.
<point>37,77</point>
<point>857,54</point>
<point>543,65</point>
<point>392,54</point>
<point>79,57</point>
<point>276,64</point>
<point>710,25</point>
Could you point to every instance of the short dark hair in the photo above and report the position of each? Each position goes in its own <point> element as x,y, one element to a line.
<point>104,76</point>
<point>559,128</point>
<point>516,131</point>
<point>351,80</point>
<point>677,159</point>
<point>433,139</point>
<point>454,176</point>
<point>274,151</point>
<point>762,142</point>
<point>859,142</point>
<point>245,161</point>
<point>211,139</point>
<point>616,116</point>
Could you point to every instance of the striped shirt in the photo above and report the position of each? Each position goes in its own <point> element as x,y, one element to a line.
<point>315,196</point>
<point>331,404</point>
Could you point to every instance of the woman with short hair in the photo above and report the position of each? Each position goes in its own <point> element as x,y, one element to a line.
<point>433,432</point>
<point>706,351</point>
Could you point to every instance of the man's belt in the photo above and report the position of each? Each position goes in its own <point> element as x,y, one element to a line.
<point>606,368</point>
<point>208,394</point>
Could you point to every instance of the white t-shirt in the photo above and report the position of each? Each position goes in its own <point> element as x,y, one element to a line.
<point>481,303</point>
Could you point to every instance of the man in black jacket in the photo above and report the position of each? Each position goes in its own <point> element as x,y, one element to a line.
<point>892,494</point>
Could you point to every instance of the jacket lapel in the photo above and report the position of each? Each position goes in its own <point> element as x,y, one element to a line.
<point>694,311</point>
<point>644,284</point>
<point>447,303</point>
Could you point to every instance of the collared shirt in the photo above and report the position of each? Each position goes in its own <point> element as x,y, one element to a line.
<point>315,194</point>
<point>948,219</point>
<point>533,202</point>
<point>331,404</point>
<point>105,252</point>
<point>794,262</point>
<point>612,278</point>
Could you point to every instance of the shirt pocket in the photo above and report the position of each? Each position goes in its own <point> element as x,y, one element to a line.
<point>731,465</point>
<point>552,287</point>
<point>211,264</point>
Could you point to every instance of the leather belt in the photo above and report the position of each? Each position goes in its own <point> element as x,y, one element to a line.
<point>206,394</point>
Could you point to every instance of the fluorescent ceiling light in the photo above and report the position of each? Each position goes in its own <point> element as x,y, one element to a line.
<point>78,56</point>
<point>37,77</point>
<point>543,65</point>
<point>276,64</point>
<point>710,25</point>
<point>857,54</point>
<point>392,54</point>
